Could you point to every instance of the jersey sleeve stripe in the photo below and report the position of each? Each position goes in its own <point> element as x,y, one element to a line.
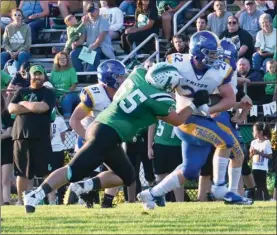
<point>160,94</point>
<point>164,99</point>
<point>90,96</point>
<point>86,108</point>
<point>228,76</point>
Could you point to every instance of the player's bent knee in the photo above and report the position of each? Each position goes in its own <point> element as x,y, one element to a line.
<point>190,174</point>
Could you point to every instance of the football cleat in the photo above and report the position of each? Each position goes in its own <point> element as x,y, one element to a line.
<point>74,191</point>
<point>147,199</point>
<point>160,201</point>
<point>31,200</point>
<point>235,199</point>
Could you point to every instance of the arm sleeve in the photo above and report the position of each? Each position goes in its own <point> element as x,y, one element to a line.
<point>104,26</point>
<point>268,148</point>
<point>117,22</point>
<point>87,98</point>
<point>49,98</point>
<point>28,41</point>
<point>6,43</point>
<point>73,76</point>
<point>162,104</point>
<point>16,97</point>
<point>69,40</point>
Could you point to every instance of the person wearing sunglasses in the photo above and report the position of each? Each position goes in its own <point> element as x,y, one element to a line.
<point>16,41</point>
<point>240,37</point>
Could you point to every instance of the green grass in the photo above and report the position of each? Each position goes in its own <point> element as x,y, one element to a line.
<point>182,218</point>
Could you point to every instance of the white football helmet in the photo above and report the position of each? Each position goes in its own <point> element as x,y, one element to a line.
<point>163,76</point>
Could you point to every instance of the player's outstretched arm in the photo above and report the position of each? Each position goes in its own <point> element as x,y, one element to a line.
<point>177,118</point>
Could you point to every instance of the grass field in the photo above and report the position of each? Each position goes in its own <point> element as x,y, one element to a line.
<point>182,218</point>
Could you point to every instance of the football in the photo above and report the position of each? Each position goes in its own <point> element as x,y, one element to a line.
<point>214,99</point>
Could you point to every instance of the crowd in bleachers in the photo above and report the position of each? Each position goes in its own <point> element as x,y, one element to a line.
<point>252,28</point>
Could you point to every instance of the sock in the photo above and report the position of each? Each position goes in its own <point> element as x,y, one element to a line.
<point>220,165</point>
<point>234,177</point>
<point>42,191</point>
<point>169,183</point>
<point>96,184</point>
<point>108,200</point>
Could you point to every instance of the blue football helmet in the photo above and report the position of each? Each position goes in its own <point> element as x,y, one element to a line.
<point>108,72</point>
<point>228,52</point>
<point>228,49</point>
<point>203,47</point>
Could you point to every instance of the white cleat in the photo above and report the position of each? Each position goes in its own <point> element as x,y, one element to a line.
<point>147,199</point>
<point>31,200</point>
<point>75,190</point>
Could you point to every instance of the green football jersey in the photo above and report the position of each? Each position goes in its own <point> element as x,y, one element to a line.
<point>135,106</point>
<point>165,135</point>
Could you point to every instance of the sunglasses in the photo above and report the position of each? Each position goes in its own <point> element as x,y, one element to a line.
<point>232,22</point>
<point>17,15</point>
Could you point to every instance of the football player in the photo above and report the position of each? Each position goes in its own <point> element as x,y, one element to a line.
<point>142,98</point>
<point>94,99</point>
<point>199,133</point>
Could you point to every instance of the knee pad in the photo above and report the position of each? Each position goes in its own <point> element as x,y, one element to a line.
<point>190,174</point>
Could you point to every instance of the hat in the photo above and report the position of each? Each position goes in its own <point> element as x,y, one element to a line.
<point>36,68</point>
<point>249,2</point>
<point>92,7</point>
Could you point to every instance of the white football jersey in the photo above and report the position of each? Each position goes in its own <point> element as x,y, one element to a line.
<point>191,81</point>
<point>96,99</point>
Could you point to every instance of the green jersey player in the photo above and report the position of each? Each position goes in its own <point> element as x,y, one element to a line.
<point>141,100</point>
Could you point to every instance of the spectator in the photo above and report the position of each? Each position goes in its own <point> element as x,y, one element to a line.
<point>180,45</point>
<point>96,37</point>
<point>58,130</point>
<point>35,13</point>
<point>246,75</point>
<point>31,133</point>
<point>20,80</point>
<point>128,7</point>
<point>270,76</point>
<point>74,30</point>
<point>64,78</point>
<point>201,23</point>
<point>5,10</point>
<point>114,16</point>
<point>67,7</point>
<point>217,20</point>
<point>16,41</point>
<point>260,151</point>
<point>241,38</point>
<point>265,43</point>
<point>6,153</point>
<point>249,19</point>
<point>146,24</point>
<point>5,79</point>
<point>166,10</point>
<point>264,6</point>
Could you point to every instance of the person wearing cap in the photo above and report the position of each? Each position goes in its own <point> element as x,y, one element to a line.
<point>249,19</point>
<point>96,37</point>
<point>31,131</point>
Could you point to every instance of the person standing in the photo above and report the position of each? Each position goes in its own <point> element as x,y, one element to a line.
<point>31,133</point>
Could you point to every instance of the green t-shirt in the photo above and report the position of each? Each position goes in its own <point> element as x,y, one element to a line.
<point>73,34</point>
<point>135,106</point>
<point>270,88</point>
<point>63,80</point>
<point>5,79</point>
<point>165,135</point>
<point>161,4</point>
<point>275,22</point>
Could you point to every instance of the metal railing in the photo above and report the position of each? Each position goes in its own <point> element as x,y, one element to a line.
<point>195,17</point>
<point>156,53</point>
<point>175,24</point>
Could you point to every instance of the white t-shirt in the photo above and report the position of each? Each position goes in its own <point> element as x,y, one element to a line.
<point>115,17</point>
<point>266,42</point>
<point>259,162</point>
<point>57,128</point>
